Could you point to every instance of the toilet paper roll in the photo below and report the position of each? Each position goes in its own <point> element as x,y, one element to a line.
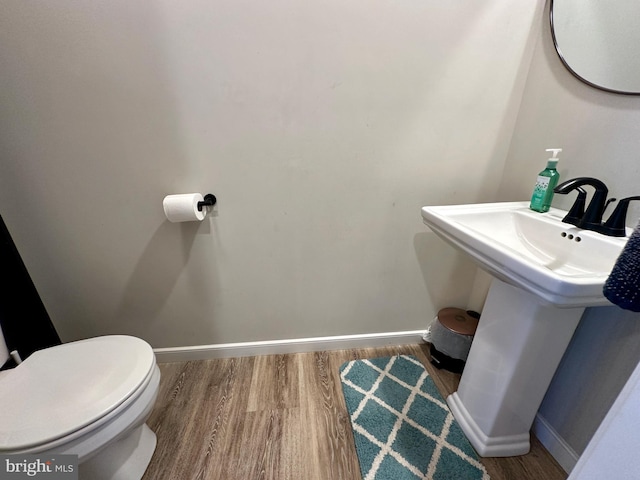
<point>183,207</point>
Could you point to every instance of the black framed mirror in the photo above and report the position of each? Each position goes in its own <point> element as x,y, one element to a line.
<point>598,42</point>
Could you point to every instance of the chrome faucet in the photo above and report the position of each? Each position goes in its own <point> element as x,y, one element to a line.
<point>592,217</point>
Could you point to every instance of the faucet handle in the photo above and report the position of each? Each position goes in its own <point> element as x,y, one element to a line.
<point>615,226</point>
<point>592,218</point>
<point>577,209</point>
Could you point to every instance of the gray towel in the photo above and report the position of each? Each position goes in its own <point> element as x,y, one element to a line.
<point>623,285</point>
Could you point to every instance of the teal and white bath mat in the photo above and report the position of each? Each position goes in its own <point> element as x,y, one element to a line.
<point>402,427</point>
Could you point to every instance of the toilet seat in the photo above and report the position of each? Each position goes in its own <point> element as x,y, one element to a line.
<point>63,392</point>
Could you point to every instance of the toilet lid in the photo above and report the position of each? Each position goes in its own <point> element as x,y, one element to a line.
<point>59,390</point>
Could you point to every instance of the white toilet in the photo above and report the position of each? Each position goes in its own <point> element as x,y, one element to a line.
<point>89,398</point>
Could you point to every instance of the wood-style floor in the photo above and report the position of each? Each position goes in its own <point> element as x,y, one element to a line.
<point>281,417</point>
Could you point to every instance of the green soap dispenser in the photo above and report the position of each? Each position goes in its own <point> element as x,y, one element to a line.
<point>545,183</point>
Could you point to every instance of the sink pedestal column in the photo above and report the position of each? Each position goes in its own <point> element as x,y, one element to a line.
<point>517,347</point>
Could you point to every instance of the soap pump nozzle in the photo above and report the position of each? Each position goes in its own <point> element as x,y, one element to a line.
<point>555,151</point>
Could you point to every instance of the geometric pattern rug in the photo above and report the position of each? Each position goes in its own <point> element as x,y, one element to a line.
<point>403,429</point>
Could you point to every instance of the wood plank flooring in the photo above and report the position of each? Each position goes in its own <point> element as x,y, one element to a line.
<point>281,417</point>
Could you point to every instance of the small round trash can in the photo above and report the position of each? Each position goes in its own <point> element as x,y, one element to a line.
<point>452,332</point>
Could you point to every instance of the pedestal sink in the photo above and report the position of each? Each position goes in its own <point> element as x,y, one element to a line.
<point>545,273</point>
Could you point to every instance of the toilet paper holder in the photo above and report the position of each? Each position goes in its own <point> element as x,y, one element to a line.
<point>209,201</point>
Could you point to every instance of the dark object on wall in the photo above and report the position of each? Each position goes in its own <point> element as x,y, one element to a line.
<point>209,201</point>
<point>24,320</point>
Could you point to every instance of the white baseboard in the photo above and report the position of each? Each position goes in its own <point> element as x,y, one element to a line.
<point>555,444</point>
<point>295,345</point>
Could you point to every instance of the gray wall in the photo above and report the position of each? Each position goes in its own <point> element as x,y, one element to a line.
<point>599,134</point>
<point>322,127</point>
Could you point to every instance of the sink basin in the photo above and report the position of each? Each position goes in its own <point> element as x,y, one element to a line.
<point>562,264</point>
<point>545,273</point>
